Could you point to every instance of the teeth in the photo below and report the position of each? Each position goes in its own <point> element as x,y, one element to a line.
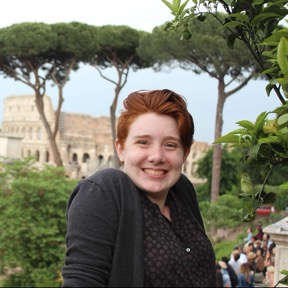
<point>154,172</point>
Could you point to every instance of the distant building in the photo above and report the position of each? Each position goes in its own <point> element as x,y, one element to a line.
<point>10,146</point>
<point>84,142</point>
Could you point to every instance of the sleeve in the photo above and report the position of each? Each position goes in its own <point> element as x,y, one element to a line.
<point>92,221</point>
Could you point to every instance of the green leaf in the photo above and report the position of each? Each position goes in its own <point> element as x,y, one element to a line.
<point>268,89</point>
<point>283,81</point>
<point>263,17</point>
<point>258,2</point>
<point>231,40</point>
<point>229,138</point>
<point>248,218</point>
<point>232,24</point>
<point>246,185</point>
<point>260,121</point>
<point>282,55</point>
<point>170,6</point>
<point>270,139</point>
<point>282,119</point>
<point>240,17</point>
<point>181,10</point>
<point>246,124</point>
<point>284,185</point>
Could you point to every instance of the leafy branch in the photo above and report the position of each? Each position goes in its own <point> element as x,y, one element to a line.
<point>255,23</point>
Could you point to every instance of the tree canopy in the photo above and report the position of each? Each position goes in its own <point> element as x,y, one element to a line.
<point>35,53</point>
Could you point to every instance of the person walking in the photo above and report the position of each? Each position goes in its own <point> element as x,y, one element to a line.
<point>232,274</point>
<point>245,278</point>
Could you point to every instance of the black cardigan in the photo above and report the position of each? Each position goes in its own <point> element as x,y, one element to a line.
<point>104,230</point>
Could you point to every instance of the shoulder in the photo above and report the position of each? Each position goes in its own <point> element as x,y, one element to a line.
<point>110,174</point>
<point>185,188</point>
<point>109,178</point>
<point>105,186</point>
<point>185,183</point>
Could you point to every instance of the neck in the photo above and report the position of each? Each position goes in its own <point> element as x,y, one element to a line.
<point>160,200</point>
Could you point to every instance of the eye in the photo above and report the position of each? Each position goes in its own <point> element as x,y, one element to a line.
<point>171,146</point>
<point>142,142</point>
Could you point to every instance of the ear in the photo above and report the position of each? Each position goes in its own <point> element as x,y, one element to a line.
<point>120,150</point>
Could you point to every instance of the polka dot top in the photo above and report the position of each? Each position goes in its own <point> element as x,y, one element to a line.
<point>176,253</point>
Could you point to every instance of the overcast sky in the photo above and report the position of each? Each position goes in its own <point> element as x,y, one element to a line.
<point>88,93</point>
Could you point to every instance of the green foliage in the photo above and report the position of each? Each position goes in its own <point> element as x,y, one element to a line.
<point>117,48</point>
<point>163,47</point>
<point>267,144</point>
<point>27,40</point>
<point>32,221</point>
<point>225,212</point>
<point>224,249</point>
<point>257,25</point>
<point>231,166</point>
<point>283,280</point>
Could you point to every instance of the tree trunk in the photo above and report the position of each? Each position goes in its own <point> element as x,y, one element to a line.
<point>116,161</point>
<point>217,150</point>
<point>52,140</point>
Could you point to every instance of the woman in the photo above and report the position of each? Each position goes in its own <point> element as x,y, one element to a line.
<point>260,268</point>
<point>245,278</point>
<point>249,235</point>
<point>141,227</point>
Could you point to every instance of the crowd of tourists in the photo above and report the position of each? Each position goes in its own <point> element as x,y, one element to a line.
<point>250,264</point>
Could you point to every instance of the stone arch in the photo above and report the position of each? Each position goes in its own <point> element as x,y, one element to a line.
<point>37,155</point>
<point>47,156</point>
<point>100,160</point>
<point>74,158</point>
<point>110,161</point>
<point>85,158</point>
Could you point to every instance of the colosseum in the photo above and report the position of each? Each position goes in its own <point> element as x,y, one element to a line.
<point>84,142</point>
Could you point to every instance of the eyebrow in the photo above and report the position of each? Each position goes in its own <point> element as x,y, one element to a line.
<point>165,138</point>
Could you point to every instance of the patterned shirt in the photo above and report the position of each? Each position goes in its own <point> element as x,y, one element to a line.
<point>176,253</point>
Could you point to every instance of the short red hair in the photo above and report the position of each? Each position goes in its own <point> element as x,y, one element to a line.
<point>163,102</point>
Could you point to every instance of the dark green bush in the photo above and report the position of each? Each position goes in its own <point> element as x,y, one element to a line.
<point>32,221</point>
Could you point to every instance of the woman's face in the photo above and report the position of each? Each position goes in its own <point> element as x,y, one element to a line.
<point>153,154</point>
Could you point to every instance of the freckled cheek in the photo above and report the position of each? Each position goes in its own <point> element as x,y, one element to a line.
<point>176,159</point>
<point>136,156</point>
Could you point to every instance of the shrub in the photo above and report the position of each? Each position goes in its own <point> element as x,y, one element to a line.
<point>33,223</point>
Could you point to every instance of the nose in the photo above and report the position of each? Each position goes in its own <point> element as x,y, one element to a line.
<point>156,154</point>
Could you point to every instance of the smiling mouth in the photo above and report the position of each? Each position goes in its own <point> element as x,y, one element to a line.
<point>154,172</point>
